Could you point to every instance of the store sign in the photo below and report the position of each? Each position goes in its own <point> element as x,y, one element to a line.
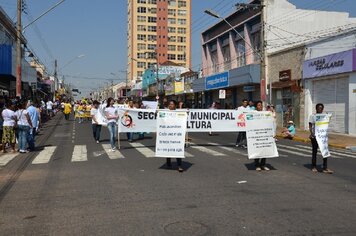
<point>179,87</point>
<point>249,88</point>
<point>285,75</point>
<point>337,63</point>
<point>217,81</point>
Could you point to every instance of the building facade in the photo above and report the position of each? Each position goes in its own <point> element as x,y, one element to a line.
<point>158,31</point>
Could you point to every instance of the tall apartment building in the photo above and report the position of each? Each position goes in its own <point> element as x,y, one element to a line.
<point>158,31</point>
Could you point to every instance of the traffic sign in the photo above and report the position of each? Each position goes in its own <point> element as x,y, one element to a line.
<point>222,94</point>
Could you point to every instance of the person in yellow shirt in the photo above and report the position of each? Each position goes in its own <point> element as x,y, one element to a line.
<point>67,110</point>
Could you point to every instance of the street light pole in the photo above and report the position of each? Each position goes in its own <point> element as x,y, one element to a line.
<point>18,49</point>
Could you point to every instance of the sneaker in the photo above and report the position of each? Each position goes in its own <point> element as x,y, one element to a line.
<point>113,150</point>
<point>237,145</point>
<point>328,171</point>
<point>244,146</point>
<point>130,140</point>
<point>265,168</point>
<point>97,141</point>
<point>258,168</point>
<point>314,169</point>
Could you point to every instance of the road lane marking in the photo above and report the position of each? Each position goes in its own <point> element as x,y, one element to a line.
<point>229,149</point>
<point>6,158</point>
<point>208,151</point>
<point>45,155</point>
<point>308,150</point>
<point>334,151</point>
<point>148,153</point>
<point>112,155</point>
<point>79,153</point>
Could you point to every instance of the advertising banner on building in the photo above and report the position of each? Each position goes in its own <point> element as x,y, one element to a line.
<point>171,128</point>
<point>179,87</point>
<point>259,133</point>
<point>217,81</point>
<point>329,65</point>
<point>199,120</point>
<point>321,133</point>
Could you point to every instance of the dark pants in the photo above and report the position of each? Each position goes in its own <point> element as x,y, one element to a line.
<point>260,162</point>
<point>96,131</point>
<point>179,162</point>
<point>241,138</point>
<point>31,139</point>
<point>66,116</point>
<point>129,136</point>
<point>314,153</point>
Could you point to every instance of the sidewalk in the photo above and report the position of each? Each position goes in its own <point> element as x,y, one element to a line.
<point>335,140</point>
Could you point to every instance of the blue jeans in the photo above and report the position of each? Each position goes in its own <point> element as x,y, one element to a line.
<point>113,133</point>
<point>24,131</point>
<point>31,139</point>
<point>129,136</point>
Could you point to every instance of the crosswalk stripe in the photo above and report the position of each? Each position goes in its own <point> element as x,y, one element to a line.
<point>79,153</point>
<point>308,149</point>
<point>6,158</point>
<point>112,155</point>
<point>338,152</point>
<point>207,150</point>
<point>148,153</point>
<point>292,152</point>
<point>45,155</point>
<point>229,149</point>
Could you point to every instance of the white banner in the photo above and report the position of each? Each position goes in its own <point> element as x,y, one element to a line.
<point>259,133</point>
<point>150,104</point>
<point>171,128</point>
<point>321,133</point>
<point>199,120</point>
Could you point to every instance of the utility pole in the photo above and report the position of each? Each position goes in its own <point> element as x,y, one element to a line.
<point>55,77</point>
<point>263,79</point>
<point>18,49</point>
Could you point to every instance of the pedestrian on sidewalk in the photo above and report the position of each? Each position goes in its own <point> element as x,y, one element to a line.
<point>32,112</point>
<point>24,124</point>
<point>112,116</point>
<point>260,163</point>
<point>312,120</point>
<point>172,106</point>
<point>10,120</point>
<point>241,137</point>
<point>289,132</point>
<point>67,109</point>
<point>94,120</point>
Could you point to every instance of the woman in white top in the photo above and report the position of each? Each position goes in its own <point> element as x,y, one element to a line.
<point>24,126</point>
<point>9,117</point>
<point>112,116</point>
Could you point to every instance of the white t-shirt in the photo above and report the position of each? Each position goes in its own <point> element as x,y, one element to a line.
<point>49,105</point>
<point>312,120</point>
<point>94,112</point>
<point>244,109</point>
<point>21,117</point>
<point>112,112</point>
<point>8,116</point>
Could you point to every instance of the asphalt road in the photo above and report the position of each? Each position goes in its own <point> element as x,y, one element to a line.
<point>93,192</point>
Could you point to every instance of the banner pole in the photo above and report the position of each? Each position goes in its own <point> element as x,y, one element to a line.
<point>118,136</point>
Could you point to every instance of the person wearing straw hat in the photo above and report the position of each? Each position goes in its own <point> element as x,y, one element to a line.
<point>289,132</point>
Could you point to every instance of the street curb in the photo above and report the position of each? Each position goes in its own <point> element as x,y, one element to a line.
<point>307,140</point>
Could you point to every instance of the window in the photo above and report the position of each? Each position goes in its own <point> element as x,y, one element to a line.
<point>172,3</point>
<point>171,47</point>
<point>181,57</point>
<point>171,29</point>
<point>182,12</point>
<point>141,1</point>
<point>139,73</point>
<point>171,20</point>
<point>151,65</point>
<point>182,30</point>
<point>182,3</point>
<point>171,56</point>
<point>152,1</point>
<point>141,46</point>
<point>141,18</point>
<point>151,37</point>
<point>141,64</point>
<point>182,21</point>
<point>141,55</point>
<point>182,39</point>
<point>141,28</point>
<point>152,28</point>
<point>141,37</point>
<point>171,12</point>
<point>152,10</point>
<point>182,48</point>
<point>141,9</point>
<point>152,19</point>
<point>151,46</point>
<point>172,39</point>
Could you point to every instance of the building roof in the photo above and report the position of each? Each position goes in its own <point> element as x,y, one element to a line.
<point>9,25</point>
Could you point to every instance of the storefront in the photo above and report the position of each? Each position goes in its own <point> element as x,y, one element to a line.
<point>331,80</point>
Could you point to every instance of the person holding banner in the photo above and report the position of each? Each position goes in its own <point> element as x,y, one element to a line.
<point>260,164</point>
<point>172,106</point>
<point>111,116</point>
<point>241,137</point>
<point>313,120</point>
<point>95,123</point>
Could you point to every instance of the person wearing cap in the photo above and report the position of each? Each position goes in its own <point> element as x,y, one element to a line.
<point>289,132</point>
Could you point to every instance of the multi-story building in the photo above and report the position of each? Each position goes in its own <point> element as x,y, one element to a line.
<point>158,31</point>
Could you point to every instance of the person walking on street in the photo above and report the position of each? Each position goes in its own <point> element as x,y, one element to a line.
<point>49,106</point>
<point>260,164</point>
<point>67,109</point>
<point>10,120</point>
<point>34,116</point>
<point>130,135</point>
<point>312,120</point>
<point>241,137</point>
<point>172,106</point>
<point>94,120</point>
<point>24,124</point>
<point>111,116</point>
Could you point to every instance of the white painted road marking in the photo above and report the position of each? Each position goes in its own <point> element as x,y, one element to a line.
<point>79,153</point>
<point>6,158</point>
<point>44,156</point>
<point>112,155</point>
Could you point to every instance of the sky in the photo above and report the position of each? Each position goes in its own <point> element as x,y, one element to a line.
<point>97,29</point>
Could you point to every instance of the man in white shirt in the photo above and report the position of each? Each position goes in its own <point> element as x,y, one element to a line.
<point>241,137</point>
<point>95,123</point>
<point>49,106</point>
